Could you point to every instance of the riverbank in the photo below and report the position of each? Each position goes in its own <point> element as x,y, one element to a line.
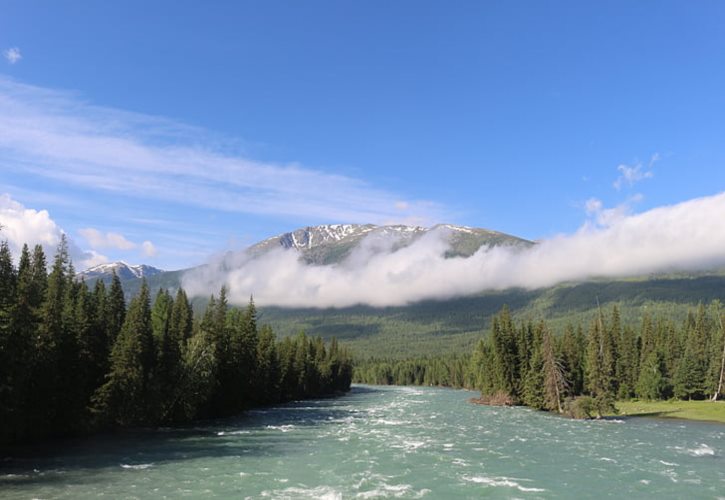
<point>711,411</point>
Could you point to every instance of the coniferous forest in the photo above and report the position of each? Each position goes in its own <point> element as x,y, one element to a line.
<point>75,360</point>
<point>579,372</point>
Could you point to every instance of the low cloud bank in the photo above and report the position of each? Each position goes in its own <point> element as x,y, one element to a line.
<point>688,236</point>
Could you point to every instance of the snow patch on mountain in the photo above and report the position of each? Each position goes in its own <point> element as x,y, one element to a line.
<point>122,269</point>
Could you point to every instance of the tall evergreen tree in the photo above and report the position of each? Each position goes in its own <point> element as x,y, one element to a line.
<point>116,309</point>
<point>10,347</point>
<point>533,392</point>
<point>600,366</point>
<point>554,383</point>
<point>691,375</point>
<point>168,354</point>
<point>652,383</point>
<point>573,346</point>
<point>181,324</point>
<point>124,398</point>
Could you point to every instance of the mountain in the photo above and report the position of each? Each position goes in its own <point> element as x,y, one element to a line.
<point>123,270</point>
<point>331,243</point>
<point>450,325</point>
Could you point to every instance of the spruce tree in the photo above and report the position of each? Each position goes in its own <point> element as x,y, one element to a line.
<point>168,355</point>
<point>268,376</point>
<point>116,309</point>
<point>10,347</point>
<point>554,383</point>
<point>573,346</point>
<point>181,323</point>
<point>49,404</point>
<point>533,392</point>
<point>124,399</point>
<point>652,383</point>
<point>691,376</point>
<point>600,367</point>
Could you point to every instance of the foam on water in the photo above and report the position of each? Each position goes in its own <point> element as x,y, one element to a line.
<point>283,428</point>
<point>319,492</point>
<point>702,451</point>
<point>382,442</point>
<point>500,481</point>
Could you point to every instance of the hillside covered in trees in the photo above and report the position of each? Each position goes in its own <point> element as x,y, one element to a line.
<point>75,360</point>
<point>455,325</point>
<point>579,372</point>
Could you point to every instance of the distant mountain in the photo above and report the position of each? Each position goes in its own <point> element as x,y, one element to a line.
<point>331,243</point>
<point>123,270</point>
<point>450,325</point>
<point>324,244</point>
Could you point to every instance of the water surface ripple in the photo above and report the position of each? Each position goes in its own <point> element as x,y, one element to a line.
<point>395,442</point>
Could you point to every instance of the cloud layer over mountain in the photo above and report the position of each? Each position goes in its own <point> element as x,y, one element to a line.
<point>687,236</point>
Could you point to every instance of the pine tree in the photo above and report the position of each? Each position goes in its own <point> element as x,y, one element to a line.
<point>124,399</point>
<point>168,356</point>
<point>627,363</point>
<point>533,393</point>
<point>48,412</point>
<point>268,376</point>
<point>116,309</point>
<point>573,347</point>
<point>600,367</point>
<point>652,383</point>
<point>718,360</point>
<point>89,345</point>
<point>181,324</point>
<point>100,345</point>
<point>10,348</point>
<point>691,375</point>
<point>554,383</point>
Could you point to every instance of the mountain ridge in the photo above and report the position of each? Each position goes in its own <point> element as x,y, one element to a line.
<point>124,271</point>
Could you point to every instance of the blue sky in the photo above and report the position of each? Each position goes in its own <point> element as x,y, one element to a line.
<point>201,127</point>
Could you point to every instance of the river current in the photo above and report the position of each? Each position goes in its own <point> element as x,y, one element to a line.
<point>396,442</point>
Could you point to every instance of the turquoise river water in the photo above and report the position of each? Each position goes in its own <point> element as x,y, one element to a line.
<point>396,442</point>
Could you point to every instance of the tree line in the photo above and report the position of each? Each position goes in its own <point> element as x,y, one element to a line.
<point>75,360</point>
<point>578,372</point>
<point>442,371</point>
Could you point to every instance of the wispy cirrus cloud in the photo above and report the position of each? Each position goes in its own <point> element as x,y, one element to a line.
<point>58,136</point>
<point>629,175</point>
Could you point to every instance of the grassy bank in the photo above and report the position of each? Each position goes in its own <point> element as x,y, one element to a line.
<point>690,410</point>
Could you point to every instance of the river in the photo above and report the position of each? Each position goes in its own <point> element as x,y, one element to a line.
<point>383,442</point>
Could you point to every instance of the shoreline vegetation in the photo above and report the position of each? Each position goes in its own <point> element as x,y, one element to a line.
<point>703,411</point>
<point>75,361</point>
<point>659,369</point>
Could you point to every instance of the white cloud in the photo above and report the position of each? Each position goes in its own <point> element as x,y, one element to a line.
<point>605,217</point>
<point>149,250</point>
<point>686,236</point>
<point>35,227</point>
<point>56,136</point>
<point>97,239</point>
<point>24,225</point>
<point>631,174</point>
<point>116,241</point>
<point>12,55</point>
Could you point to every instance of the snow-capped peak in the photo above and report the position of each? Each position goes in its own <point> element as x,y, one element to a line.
<point>123,270</point>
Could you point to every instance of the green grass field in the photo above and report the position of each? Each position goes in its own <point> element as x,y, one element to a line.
<point>689,410</point>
